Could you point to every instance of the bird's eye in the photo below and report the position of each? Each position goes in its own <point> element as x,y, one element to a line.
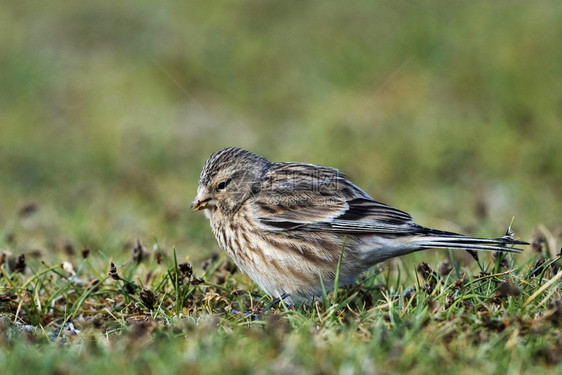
<point>223,184</point>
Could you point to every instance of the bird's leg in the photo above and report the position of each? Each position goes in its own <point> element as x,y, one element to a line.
<point>256,315</point>
<point>277,300</point>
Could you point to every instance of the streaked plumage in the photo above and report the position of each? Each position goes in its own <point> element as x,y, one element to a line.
<point>284,224</point>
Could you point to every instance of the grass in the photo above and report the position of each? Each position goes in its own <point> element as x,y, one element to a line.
<point>154,313</point>
<point>449,111</point>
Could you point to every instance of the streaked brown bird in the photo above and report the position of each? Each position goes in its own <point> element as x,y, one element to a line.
<point>285,224</point>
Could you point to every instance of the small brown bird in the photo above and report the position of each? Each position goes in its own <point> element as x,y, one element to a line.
<point>285,224</point>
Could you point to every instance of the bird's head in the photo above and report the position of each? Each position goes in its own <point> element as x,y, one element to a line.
<point>230,176</point>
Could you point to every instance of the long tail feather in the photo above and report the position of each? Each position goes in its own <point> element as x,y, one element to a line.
<point>436,239</point>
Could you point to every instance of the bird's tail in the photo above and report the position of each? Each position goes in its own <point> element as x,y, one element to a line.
<point>437,239</point>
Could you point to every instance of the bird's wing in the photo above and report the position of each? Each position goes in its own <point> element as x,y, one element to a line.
<point>313,198</point>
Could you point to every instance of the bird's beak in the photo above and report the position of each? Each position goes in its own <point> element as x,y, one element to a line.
<point>201,204</point>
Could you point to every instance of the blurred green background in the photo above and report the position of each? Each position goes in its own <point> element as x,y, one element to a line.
<point>448,110</point>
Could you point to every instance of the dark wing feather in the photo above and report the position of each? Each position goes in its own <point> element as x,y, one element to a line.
<point>313,198</point>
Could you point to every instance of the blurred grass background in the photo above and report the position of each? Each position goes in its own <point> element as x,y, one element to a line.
<point>450,111</point>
